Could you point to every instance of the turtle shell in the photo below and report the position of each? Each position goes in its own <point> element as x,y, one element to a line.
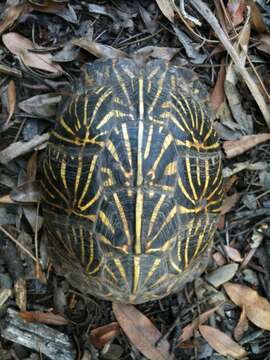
<point>132,181</point>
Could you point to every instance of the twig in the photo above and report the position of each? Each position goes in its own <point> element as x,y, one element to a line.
<point>203,9</point>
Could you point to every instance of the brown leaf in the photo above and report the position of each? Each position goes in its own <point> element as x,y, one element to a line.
<point>233,253</point>
<point>11,99</point>
<point>103,334</point>
<point>228,203</point>
<point>236,147</point>
<point>20,293</point>
<point>264,43</point>
<point>141,332</point>
<point>222,274</point>
<point>236,10</point>
<point>13,14</point>
<point>99,50</point>
<point>256,18</point>
<point>217,95</point>
<point>257,307</point>
<point>43,318</point>
<point>20,46</point>
<point>188,330</point>
<point>219,258</point>
<point>28,192</point>
<point>221,342</point>
<point>167,9</point>
<point>241,326</point>
<point>158,52</point>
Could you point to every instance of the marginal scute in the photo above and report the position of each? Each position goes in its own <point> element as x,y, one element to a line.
<point>132,181</point>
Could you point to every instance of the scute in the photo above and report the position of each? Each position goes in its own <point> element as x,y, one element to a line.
<point>132,181</point>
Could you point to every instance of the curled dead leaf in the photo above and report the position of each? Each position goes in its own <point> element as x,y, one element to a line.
<point>228,203</point>
<point>103,334</point>
<point>241,326</point>
<point>217,95</point>
<point>11,99</point>
<point>43,318</point>
<point>141,332</point>
<point>221,342</point>
<point>257,307</point>
<point>233,253</point>
<point>20,46</point>
<point>167,9</point>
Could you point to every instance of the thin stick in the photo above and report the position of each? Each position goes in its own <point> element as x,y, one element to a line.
<point>203,9</point>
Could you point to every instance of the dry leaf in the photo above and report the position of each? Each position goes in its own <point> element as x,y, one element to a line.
<point>188,330</point>
<point>233,253</point>
<point>241,326</point>
<point>264,43</point>
<point>217,95</point>
<point>28,192</point>
<point>20,46</point>
<point>13,14</point>
<point>228,203</point>
<point>11,99</point>
<point>219,258</point>
<point>221,342</point>
<point>167,9</point>
<point>103,334</point>
<point>99,50</point>
<point>141,332</point>
<point>236,10</point>
<point>43,318</point>
<point>157,52</point>
<point>20,293</point>
<point>256,18</point>
<point>236,147</point>
<point>222,274</point>
<point>257,307</point>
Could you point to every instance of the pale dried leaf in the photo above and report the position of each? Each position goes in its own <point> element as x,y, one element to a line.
<point>241,326</point>
<point>44,105</point>
<point>233,253</point>
<point>141,332</point>
<point>221,342</point>
<point>257,18</point>
<point>236,10</point>
<point>11,99</point>
<point>21,294</point>
<point>234,148</point>
<point>257,307</point>
<point>157,52</point>
<point>99,50</point>
<point>13,14</point>
<point>20,46</point>
<point>222,274</point>
<point>264,44</point>
<point>219,258</point>
<point>167,9</point>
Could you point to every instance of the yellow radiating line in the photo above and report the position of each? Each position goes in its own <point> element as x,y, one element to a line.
<point>91,202</point>
<point>198,171</point>
<point>75,112</point>
<point>123,217</point>
<point>95,269</point>
<point>207,177</point>
<point>112,274</point>
<point>215,190</point>
<point>112,150</point>
<point>167,142</point>
<point>85,106</point>
<point>70,106</point>
<point>63,173</point>
<point>50,163</point>
<point>202,120</point>
<point>165,247</point>
<point>100,101</point>
<point>189,109</point>
<point>54,187</point>
<point>123,86</point>
<point>110,179</point>
<point>92,217</point>
<point>103,217</point>
<point>209,133</point>
<point>170,168</point>
<point>141,99</point>
<point>106,241</point>
<point>60,137</point>
<point>196,115</point>
<point>129,73</point>
<point>127,144</point>
<point>89,178</point>
<point>177,268</point>
<point>184,210</point>
<point>91,253</point>
<point>218,171</point>
<point>66,127</point>
<point>190,227</point>
<point>172,118</point>
<point>113,113</point>
<point>138,221</point>
<point>139,155</point>
<point>190,178</point>
<point>150,77</point>
<point>82,244</point>
<point>121,269</point>
<point>184,191</point>
<point>148,143</point>
<point>173,83</point>
<point>151,271</point>
<point>170,216</point>
<point>155,213</point>
<point>136,275</point>
<point>78,176</point>
<point>198,146</point>
<point>157,95</point>
<point>199,243</point>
